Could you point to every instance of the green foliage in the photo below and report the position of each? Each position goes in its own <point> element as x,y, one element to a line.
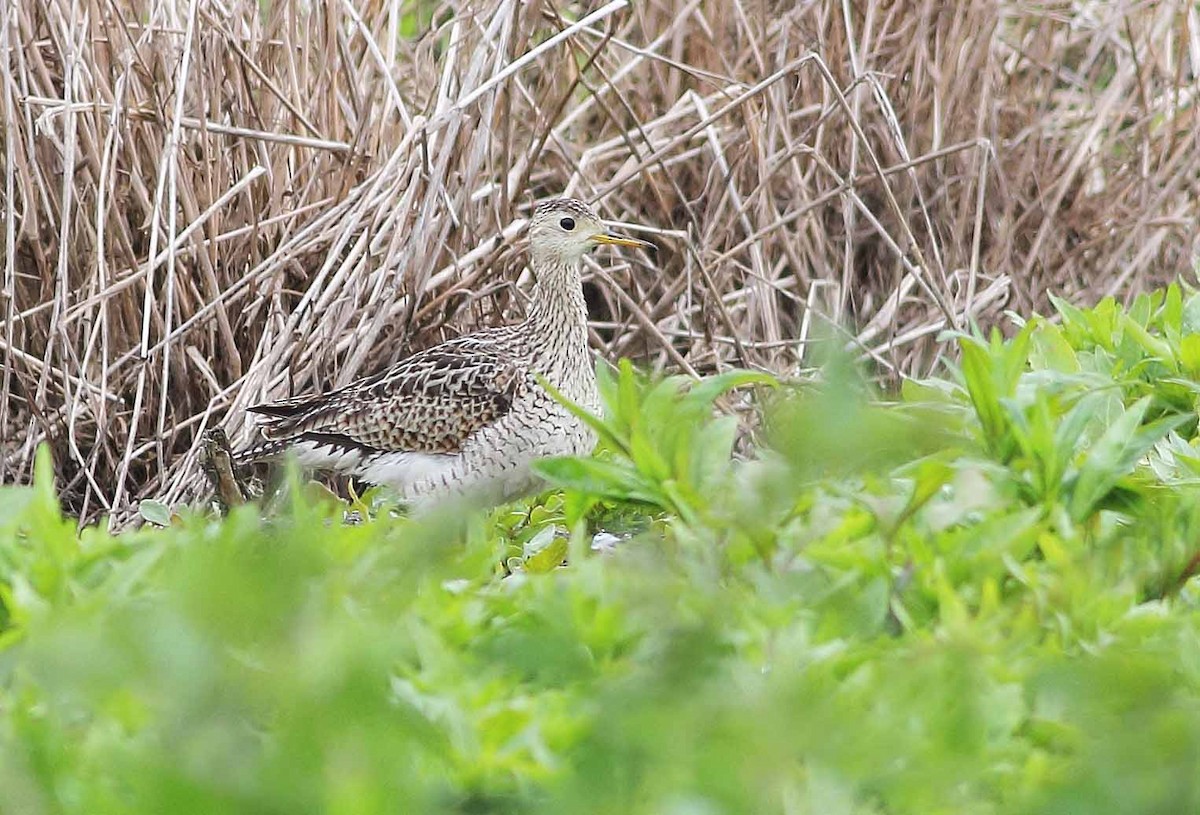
<point>668,453</point>
<point>975,597</point>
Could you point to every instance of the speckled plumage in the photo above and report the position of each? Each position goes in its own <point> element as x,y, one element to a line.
<point>468,416</point>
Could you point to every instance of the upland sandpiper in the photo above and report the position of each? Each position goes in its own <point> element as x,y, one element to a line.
<point>466,417</point>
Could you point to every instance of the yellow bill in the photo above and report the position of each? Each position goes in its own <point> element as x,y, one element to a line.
<point>609,239</point>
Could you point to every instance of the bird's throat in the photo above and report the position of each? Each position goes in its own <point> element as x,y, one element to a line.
<point>558,305</point>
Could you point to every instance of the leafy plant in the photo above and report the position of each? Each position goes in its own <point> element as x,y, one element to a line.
<point>974,596</point>
<point>668,451</point>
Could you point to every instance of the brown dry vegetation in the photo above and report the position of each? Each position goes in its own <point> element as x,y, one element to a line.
<point>209,203</point>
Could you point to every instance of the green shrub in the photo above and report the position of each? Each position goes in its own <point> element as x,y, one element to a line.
<point>973,598</point>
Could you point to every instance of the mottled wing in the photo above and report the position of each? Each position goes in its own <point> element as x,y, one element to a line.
<point>430,402</point>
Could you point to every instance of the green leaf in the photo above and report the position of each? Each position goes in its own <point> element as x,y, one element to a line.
<point>1050,349</point>
<point>1189,354</point>
<point>660,404</point>
<point>43,484</point>
<point>983,392</point>
<point>1172,312</point>
<point>315,493</point>
<point>646,457</point>
<point>1070,313</point>
<point>14,504</point>
<point>604,479</point>
<point>1190,323</point>
<point>712,451</point>
<point>1015,356</point>
<point>626,405</point>
<point>155,512</point>
<point>706,391</point>
<point>1115,454</point>
<point>1070,430</point>
<point>549,557</point>
<point>606,383</point>
<point>929,476</point>
<point>1157,348</point>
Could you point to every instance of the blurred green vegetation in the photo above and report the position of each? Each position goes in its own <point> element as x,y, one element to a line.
<point>975,596</point>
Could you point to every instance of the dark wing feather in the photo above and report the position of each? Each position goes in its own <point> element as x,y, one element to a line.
<point>284,407</point>
<point>430,402</point>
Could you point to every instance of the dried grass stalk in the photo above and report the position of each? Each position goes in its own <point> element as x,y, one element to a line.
<point>209,203</point>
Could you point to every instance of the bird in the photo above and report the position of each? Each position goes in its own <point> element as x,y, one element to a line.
<point>466,418</point>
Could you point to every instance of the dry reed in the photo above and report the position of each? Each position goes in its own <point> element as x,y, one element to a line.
<point>208,203</point>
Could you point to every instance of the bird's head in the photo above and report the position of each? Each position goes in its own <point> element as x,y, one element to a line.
<point>565,229</point>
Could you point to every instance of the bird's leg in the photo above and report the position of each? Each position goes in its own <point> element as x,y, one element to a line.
<point>216,460</point>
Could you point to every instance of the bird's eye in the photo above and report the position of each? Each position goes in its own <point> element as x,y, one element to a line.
<point>567,223</point>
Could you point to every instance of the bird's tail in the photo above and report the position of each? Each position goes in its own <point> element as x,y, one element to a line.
<point>262,451</point>
<point>293,417</point>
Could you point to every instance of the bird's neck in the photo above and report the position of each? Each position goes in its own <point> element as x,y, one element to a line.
<point>558,322</point>
<point>558,306</point>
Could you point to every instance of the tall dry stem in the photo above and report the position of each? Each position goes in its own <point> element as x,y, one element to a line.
<point>211,203</point>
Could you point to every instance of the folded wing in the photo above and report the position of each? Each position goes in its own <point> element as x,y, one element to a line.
<point>430,402</point>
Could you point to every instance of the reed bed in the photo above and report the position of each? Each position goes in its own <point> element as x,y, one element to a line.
<point>209,203</point>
